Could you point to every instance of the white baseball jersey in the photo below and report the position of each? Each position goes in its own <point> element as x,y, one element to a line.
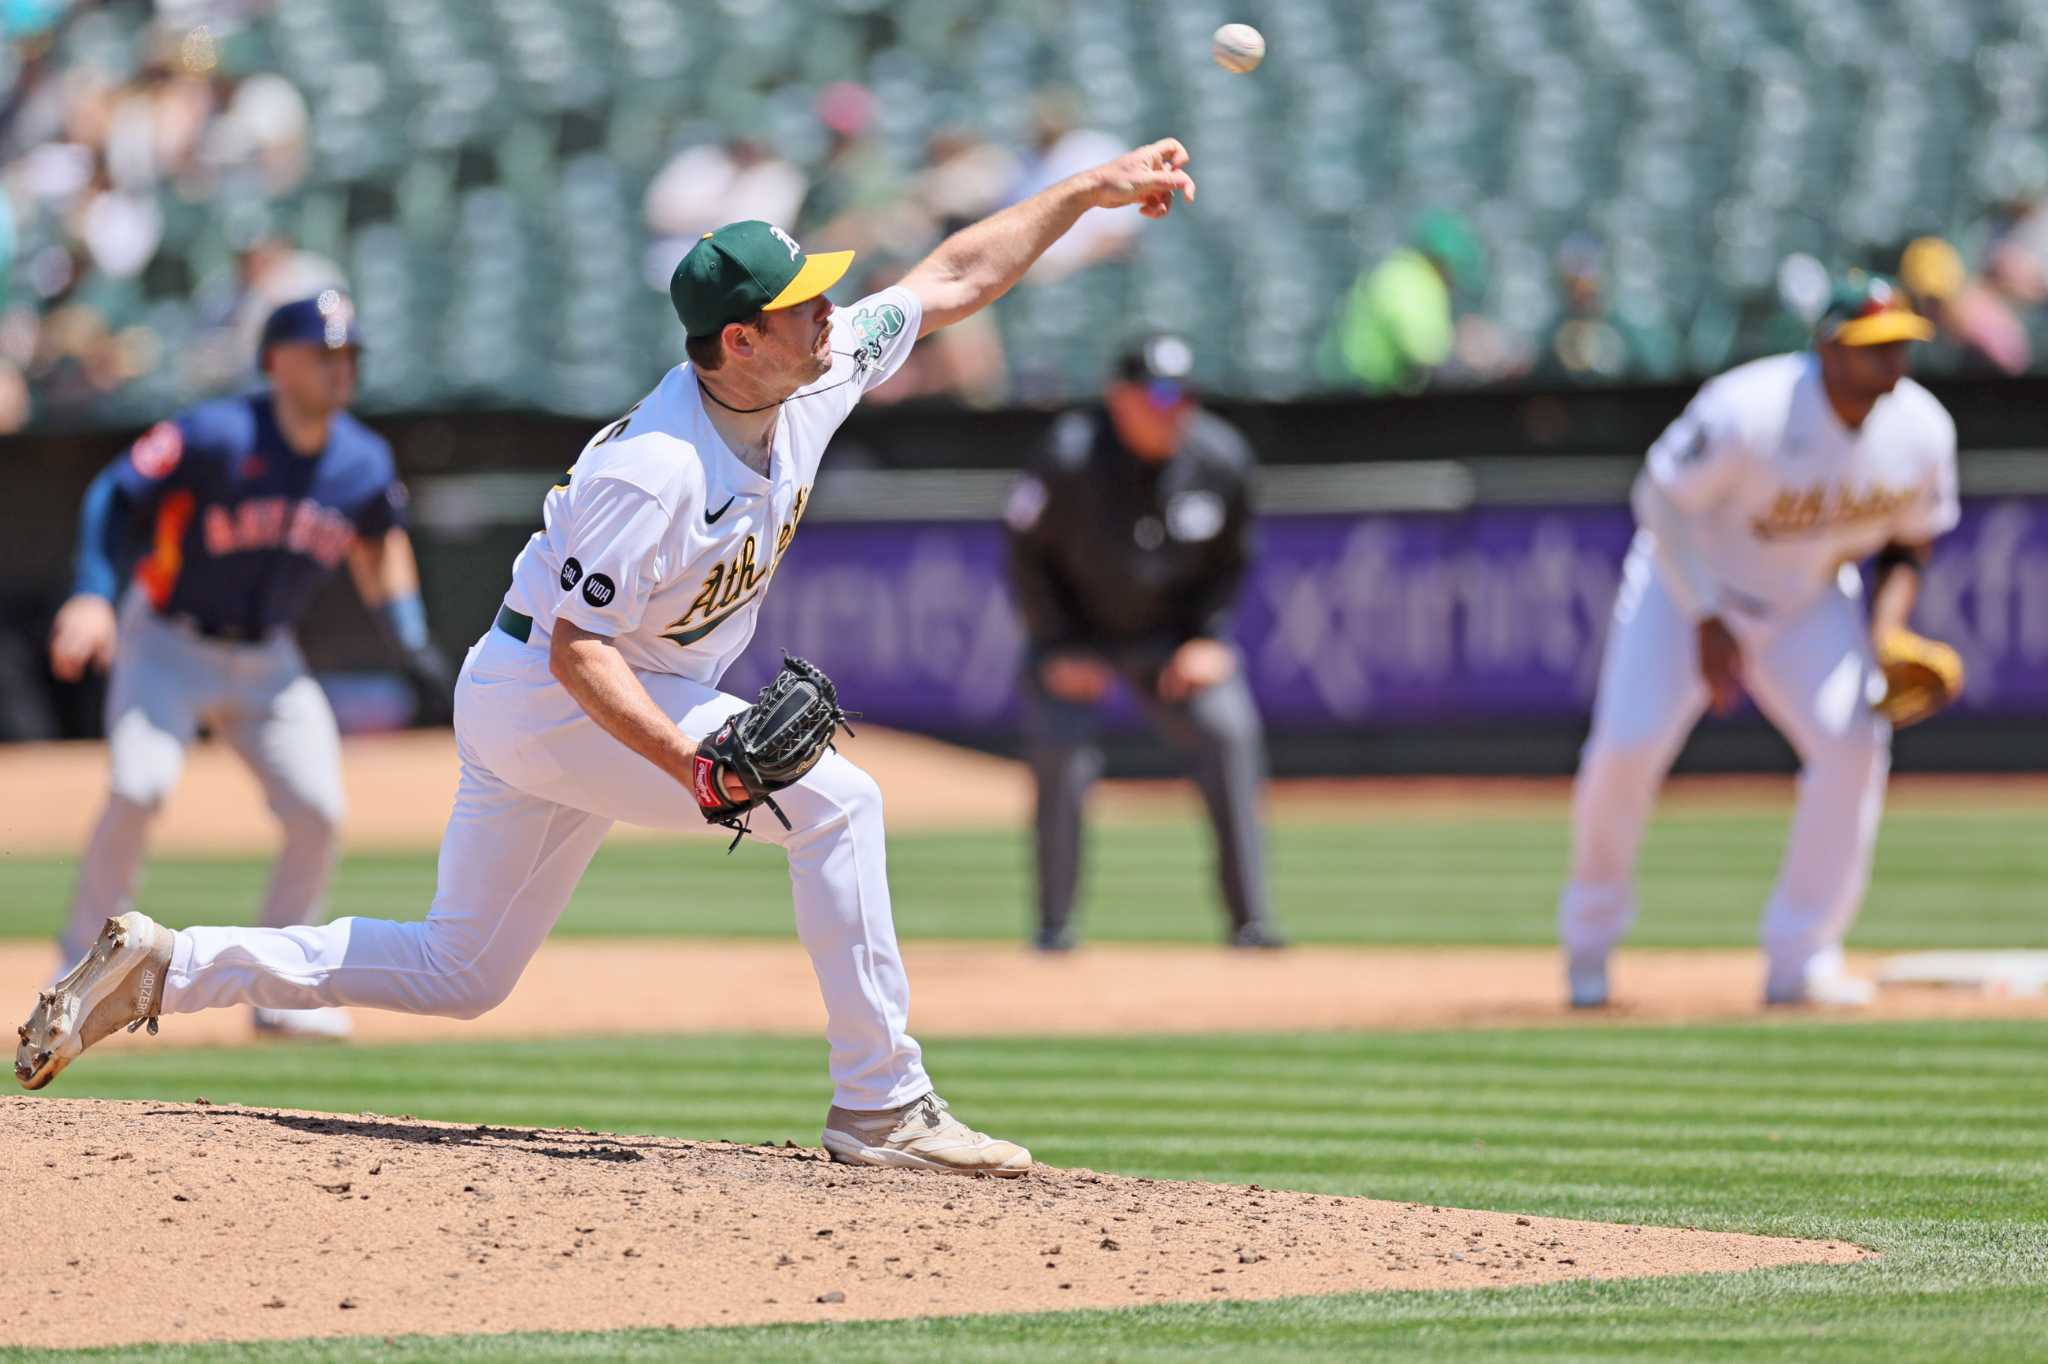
<point>663,540</point>
<point>1777,494</point>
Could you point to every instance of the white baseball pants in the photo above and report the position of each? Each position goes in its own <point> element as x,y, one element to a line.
<point>259,697</point>
<point>1814,677</point>
<point>540,786</point>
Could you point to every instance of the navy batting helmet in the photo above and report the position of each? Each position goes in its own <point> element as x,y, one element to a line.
<point>327,319</point>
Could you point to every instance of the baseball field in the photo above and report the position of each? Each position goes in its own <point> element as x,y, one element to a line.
<point>1390,1140</point>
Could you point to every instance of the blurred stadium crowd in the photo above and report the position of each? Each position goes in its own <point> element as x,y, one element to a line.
<point>1409,192</point>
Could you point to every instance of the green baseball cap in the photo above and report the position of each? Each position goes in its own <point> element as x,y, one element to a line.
<point>1870,310</point>
<point>746,268</point>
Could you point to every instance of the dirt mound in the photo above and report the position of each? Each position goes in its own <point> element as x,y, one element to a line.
<point>135,1221</point>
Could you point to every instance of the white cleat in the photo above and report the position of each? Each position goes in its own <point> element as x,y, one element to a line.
<point>1833,988</point>
<point>1585,981</point>
<point>319,1025</point>
<point>921,1135</point>
<point>119,984</point>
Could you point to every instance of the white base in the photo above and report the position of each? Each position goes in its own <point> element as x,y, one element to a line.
<point>2009,973</point>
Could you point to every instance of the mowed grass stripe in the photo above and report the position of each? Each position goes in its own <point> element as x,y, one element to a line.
<point>1932,1167</point>
<point>1362,1111</point>
<point>778,1092</point>
<point>1948,878</point>
<point>1336,1076</point>
<point>1651,1320</point>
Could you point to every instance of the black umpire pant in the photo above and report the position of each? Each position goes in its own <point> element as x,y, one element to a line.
<point>1220,732</point>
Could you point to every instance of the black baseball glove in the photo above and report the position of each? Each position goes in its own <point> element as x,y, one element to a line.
<point>769,745</point>
<point>433,685</point>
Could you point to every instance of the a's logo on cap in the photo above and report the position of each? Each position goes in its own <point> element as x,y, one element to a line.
<point>1880,298</point>
<point>786,240</point>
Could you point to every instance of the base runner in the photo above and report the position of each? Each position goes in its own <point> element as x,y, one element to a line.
<point>594,696</point>
<point>1753,510</point>
<point>248,505</point>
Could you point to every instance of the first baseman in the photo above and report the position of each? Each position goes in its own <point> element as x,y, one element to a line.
<point>246,506</point>
<point>1753,511</point>
<point>594,696</point>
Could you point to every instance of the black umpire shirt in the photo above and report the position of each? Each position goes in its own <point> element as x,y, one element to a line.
<point>1127,557</point>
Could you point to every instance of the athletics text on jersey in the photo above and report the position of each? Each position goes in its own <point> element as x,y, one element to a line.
<point>662,540</point>
<point>1778,494</point>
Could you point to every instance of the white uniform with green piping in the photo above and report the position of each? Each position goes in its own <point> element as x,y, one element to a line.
<point>664,541</point>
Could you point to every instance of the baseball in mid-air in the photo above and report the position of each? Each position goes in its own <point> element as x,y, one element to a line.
<point>1238,47</point>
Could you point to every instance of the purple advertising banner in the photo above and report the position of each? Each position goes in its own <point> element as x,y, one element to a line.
<point>1488,614</point>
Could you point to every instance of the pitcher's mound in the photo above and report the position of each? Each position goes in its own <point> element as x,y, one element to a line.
<point>139,1221</point>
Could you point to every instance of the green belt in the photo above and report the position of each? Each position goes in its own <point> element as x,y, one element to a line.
<point>512,623</point>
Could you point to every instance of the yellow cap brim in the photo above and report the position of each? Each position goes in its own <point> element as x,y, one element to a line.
<point>1893,324</point>
<point>821,270</point>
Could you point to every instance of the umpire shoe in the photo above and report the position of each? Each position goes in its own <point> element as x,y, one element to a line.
<point>119,984</point>
<point>921,1135</point>
<point>1257,934</point>
<point>1061,939</point>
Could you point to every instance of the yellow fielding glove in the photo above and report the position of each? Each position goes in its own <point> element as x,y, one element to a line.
<point>1921,676</point>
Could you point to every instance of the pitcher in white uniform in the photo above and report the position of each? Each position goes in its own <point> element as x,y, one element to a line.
<point>583,704</point>
<point>1753,511</point>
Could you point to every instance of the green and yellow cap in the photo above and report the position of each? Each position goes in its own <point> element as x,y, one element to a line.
<point>746,268</point>
<point>1870,310</point>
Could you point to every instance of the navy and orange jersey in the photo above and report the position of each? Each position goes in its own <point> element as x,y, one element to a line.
<point>236,530</point>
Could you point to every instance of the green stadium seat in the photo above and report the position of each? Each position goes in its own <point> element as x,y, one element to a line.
<point>479,164</point>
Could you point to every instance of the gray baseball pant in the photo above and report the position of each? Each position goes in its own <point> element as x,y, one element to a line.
<point>1220,733</point>
<point>167,679</point>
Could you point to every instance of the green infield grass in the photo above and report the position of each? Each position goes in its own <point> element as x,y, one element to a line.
<point>1963,876</point>
<point>1927,1142</point>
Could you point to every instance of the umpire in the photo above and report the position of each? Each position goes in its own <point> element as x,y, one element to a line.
<point>1128,544</point>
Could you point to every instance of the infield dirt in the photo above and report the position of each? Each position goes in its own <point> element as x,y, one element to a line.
<point>401,786</point>
<point>984,990</point>
<point>141,1221</point>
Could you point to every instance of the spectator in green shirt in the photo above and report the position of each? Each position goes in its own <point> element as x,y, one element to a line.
<point>1397,324</point>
